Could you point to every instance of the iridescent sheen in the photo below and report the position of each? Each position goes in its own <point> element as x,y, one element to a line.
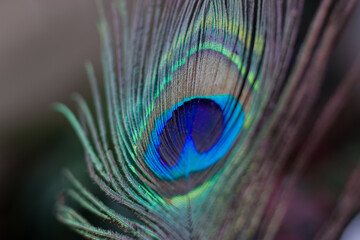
<point>194,135</point>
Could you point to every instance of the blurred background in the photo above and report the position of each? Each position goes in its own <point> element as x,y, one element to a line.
<point>43,47</point>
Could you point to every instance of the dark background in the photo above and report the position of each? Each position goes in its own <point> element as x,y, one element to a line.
<point>43,46</point>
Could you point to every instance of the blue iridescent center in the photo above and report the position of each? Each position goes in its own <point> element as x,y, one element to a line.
<point>194,135</point>
<point>198,120</point>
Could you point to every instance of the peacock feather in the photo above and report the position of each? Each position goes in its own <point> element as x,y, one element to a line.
<point>205,104</point>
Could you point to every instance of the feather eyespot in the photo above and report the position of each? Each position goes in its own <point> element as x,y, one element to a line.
<point>194,135</point>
